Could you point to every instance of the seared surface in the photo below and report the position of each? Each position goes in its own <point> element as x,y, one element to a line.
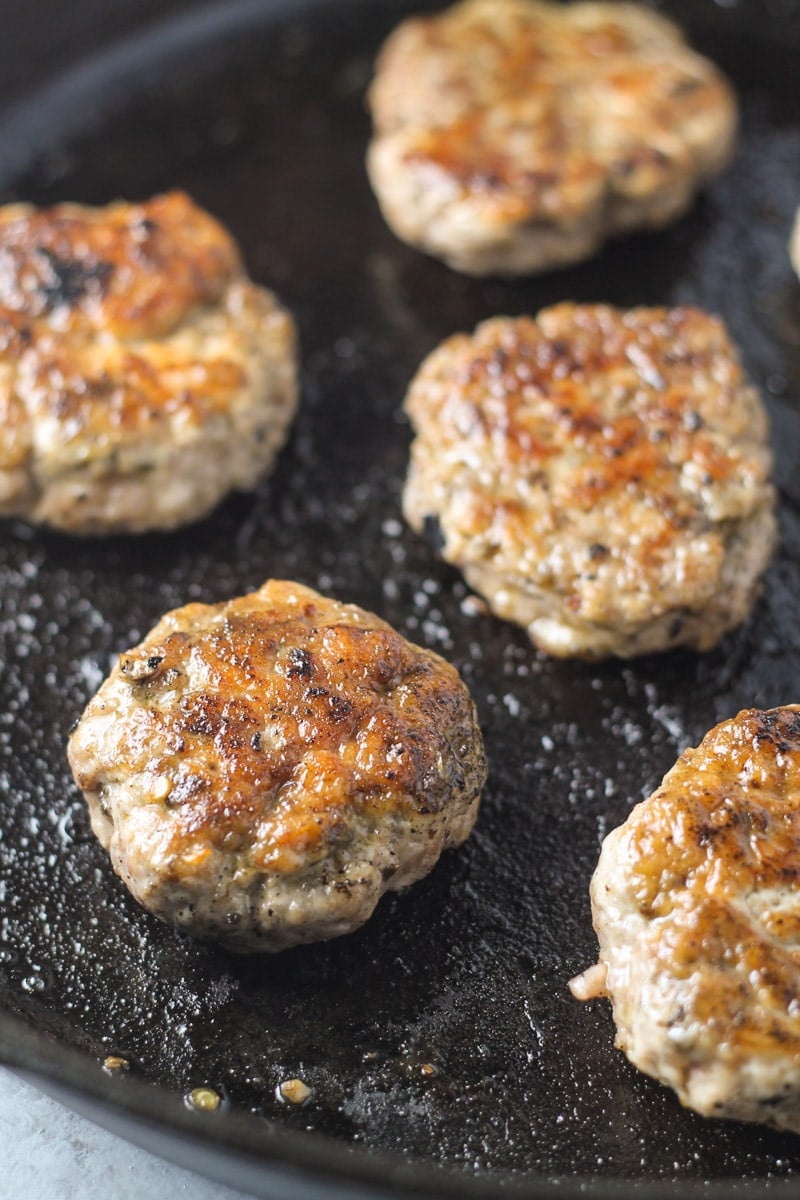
<point>470,964</point>
<point>513,136</point>
<point>600,476</point>
<point>142,375</point>
<point>697,909</point>
<point>261,771</point>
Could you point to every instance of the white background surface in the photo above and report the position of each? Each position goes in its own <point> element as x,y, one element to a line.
<point>50,1153</point>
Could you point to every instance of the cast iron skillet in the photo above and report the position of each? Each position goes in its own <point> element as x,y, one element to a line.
<point>445,1054</point>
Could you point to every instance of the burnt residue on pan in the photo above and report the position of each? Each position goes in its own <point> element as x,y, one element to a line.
<point>443,1030</point>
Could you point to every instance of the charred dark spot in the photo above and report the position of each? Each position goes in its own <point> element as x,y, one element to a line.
<point>692,421</point>
<point>141,670</point>
<point>255,741</point>
<point>344,885</point>
<point>316,691</point>
<point>72,279</point>
<point>148,226</point>
<point>706,834</point>
<point>299,664</point>
<point>202,714</point>
<point>780,726</point>
<point>432,532</point>
<point>597,550</point>
<point>187,789</point>
<point>201,724</point>
<point>339,707</point>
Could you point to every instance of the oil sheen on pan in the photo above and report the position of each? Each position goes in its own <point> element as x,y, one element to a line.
<point>442,1032</point>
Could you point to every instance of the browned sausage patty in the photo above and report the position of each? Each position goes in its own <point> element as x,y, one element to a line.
<point>602,477</point>
<point>513,136</point>
<point>697,909</point>
<point>261,771</point>
<point>142,375</point>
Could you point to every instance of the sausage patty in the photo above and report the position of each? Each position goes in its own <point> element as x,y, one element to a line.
<point>142,375</point>
<point>513,136</point>
<point>600,476</point>
<point>261,771</point>
<point>697,909</point>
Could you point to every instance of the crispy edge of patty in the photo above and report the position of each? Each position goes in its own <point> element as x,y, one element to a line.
<point>697,953</point>
<point>422,801</point>
<point>446,185</point>
<point>461,397</point>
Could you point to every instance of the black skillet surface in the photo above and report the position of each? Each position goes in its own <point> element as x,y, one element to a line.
<point>444,1051</point>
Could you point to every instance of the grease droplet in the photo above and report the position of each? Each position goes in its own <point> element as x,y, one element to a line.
<point>33,984</point>
<point>203,1099</point>
<point>115,1064</point>
<point>294,1091</point>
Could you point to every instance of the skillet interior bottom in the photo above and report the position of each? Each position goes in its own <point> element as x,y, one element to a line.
<point>443,1030</point>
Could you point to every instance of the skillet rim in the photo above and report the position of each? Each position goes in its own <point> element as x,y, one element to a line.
<point>139,1110</point>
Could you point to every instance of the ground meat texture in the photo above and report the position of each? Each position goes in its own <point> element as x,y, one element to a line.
<point>697,910</point>
<point>262,770</point>
<point>513,136</point>
<point>601,477</point>
<point>142,375</point>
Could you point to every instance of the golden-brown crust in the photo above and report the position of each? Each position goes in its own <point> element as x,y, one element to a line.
<point>287,733</point>
<point>697,907</point>
<point>131,270</point>
<point>619,388</point>
<point>604,459</point>
<point>328,686</point>
<point>132,346</point>
<point>724,828</point>
<point>513,135</point>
